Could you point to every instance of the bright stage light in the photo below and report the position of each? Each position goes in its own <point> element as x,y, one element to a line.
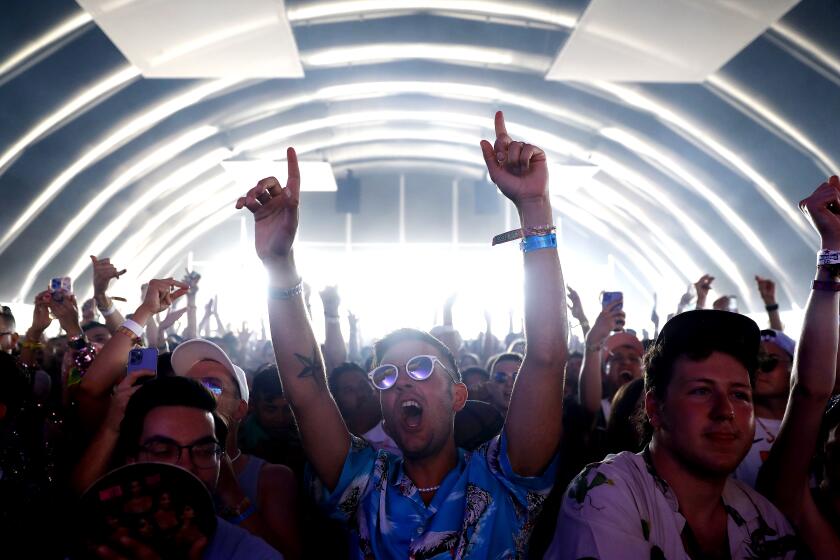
<point>319,174</point>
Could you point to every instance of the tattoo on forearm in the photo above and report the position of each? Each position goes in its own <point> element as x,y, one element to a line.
<point>311,367</point>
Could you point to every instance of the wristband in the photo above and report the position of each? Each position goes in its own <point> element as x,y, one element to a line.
<point>536,242</point>
<point>135,328</point>
<point>772,307</point>
<point>108,312</point>
<point>288,293</point>
<point>825,286</point>
<point>77,342</point>
<point>828,257</point>
<point>523,232</point>
<point>239,519</point>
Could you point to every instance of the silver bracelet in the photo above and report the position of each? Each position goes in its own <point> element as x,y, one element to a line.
<point>287,293</point>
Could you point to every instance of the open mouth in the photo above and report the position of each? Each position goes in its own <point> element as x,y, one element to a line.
<point>625,377</point>
<point>412,413</point>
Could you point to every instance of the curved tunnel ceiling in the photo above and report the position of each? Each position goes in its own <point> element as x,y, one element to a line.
<point>692,178</point>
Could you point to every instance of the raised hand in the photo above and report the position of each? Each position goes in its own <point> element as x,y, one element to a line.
<point>40,315</point>
<point>161,293</point>
<point>275,210</point>
<point>610,319</point>
<point>520,170</point>
<point>330,300</point>
<point>576,307</point>
<point>191,279</point>
<point>67,313</point>
<point>767,290</point>
<point>103,273</point>
<point>171,318</point>
<point>702,288</point>
<point>823,210</point>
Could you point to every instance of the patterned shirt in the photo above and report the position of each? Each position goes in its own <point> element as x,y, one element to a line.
<point>482,509</point>
<point>766,430</point>
<point>620,508</point>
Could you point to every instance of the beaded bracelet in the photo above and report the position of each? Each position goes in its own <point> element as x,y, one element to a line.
<point>287,293</point>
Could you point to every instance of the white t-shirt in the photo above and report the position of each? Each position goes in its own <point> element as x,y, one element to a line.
<point>766,431</point>
<point>619,508</point>
<point>378,439</point>
<point>606,409</point>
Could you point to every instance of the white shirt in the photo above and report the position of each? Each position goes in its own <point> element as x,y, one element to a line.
<point>620,508</point>
<point>766,431</point>
<point>378,439</point>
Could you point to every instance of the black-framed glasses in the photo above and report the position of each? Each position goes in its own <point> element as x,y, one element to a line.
<point>501,377</point>
<point>418,368</point>
<point>203,455</point>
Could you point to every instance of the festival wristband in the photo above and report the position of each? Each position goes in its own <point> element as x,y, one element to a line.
<point>523,232</point>
<point>825,286</point>
<point>108,312</point>
<point>827,257</point>
<point>286,293</point>
<point>537,242</point>
<point>133,327</point>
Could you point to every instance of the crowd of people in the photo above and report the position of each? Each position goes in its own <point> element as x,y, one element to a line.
<point>716,438</point>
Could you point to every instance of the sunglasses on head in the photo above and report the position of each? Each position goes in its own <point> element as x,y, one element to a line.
<point>502,377</point>
<point>418,368</point>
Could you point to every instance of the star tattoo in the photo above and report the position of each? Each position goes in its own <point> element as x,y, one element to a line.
<point>311,366</point>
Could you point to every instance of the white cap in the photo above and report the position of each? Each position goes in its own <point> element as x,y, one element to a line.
<point>189,353</point>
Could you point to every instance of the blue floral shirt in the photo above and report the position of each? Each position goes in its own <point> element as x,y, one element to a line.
<point>482,509</point>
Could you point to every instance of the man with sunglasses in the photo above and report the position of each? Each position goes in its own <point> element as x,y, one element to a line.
<point>439,501</point>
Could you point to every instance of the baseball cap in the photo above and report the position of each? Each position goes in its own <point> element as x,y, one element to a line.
<point>709,329</point>
<point>780,339</point>
<point>188,353</point>
<point>620,339</point>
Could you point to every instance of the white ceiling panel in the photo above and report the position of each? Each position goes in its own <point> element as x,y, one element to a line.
<point>201,38</point>
<point>661,40</point>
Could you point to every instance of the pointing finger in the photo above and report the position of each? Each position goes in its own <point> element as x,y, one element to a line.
<point>293,183</point>
<point>499,123</point>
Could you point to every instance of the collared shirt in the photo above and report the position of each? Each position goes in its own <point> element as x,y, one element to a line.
<point>620,508</point>
<point>482,509</point>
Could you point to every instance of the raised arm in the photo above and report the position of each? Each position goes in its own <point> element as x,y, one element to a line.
<point>335,350</point>
<point>326,440</point>
<point>576,307</point>
<point>784,477</point>
<point>533,426</point>
<point>767,290</point>
<point>590,387</point>
<point>103,273</point>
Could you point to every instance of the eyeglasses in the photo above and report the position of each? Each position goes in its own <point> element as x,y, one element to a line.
<point>418,368</point>
<point>213,385</point>
<point>501,377</point>
<point>768,364</point>
<point>203,455</point>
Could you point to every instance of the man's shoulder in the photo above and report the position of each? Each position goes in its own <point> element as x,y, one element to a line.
<point>232,542</point>
<point>621,474</point>
<point>748,503</point>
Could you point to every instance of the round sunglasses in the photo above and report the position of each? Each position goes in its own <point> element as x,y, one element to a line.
<point>418,368</point>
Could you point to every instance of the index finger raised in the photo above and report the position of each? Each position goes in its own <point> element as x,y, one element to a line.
<point>293,182</point>
<point>499,123</point>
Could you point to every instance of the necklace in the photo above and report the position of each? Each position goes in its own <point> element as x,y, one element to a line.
<point>771,437</point>
<point>238,455</point>
<point>429,489</point>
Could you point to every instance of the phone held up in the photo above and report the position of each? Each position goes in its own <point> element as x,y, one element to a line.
<point>142,359</point>
<point>60,287</point>
<point>607,299</point>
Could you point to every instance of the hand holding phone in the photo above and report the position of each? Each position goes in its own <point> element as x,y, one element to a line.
<point>608,301</point>
<point>142,359</point>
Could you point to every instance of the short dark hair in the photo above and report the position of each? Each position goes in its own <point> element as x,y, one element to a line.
<point>165,391</point>
<point>93,325</point>
<point>381,347</point>
<point>338,371</point>
<point>267,385</point>
<point>503,357</point>
<point>6,313</point>
<point>696,335</point>
<point>476,370</point>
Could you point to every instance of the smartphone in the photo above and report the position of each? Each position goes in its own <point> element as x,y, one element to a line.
<point>733,304</point>
<point>608,298</point>
<point>142,358</point>
<point>61,286</point>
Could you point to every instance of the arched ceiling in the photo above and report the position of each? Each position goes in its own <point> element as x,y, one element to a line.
<point>693,178</point>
